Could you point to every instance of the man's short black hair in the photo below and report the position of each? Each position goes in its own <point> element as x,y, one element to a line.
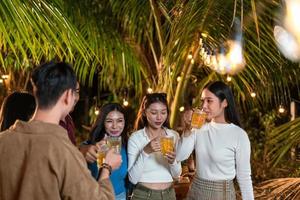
<point>50,81</point>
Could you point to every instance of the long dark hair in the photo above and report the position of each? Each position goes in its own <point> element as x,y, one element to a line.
<point>98,130</point>
<point>141,120</point>
<point>222,91</point>
<point>17,105</point>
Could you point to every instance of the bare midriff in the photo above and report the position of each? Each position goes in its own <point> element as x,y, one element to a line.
<point>157,186</point>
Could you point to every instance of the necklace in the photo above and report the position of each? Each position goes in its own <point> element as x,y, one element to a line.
<point>152,134</point>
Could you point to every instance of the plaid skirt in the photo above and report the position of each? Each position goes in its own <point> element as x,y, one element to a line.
<point>202,189</point>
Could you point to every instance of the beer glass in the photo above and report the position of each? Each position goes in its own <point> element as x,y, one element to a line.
<point>101,154</point>
<point>114,142</point>
<point>166,144</point>
<point>198,119</point>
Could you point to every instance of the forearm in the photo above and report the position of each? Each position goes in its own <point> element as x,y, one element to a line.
<point>136,169</point>
<point>175,169</point>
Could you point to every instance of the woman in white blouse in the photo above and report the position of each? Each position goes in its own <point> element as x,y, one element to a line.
<point>222,149</point>
<point>149,170</point>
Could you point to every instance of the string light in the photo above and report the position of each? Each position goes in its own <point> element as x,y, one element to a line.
<point>253,94</point>
<point>228,78</point>
<point>181,109</point>
<point>125,102</point>
<point>281,109</point>
<point>190,56</point>
<point>96,111</point>
<point>5,76</point>
<point>178,78</point>
<point>149,90</point>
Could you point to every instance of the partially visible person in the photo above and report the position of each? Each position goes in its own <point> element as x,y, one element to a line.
<point>151,171</point>
<point>17,105</point>
<point>111,122</point>
<point>38,161</point>
<point>67,122</point>
<point>221,146</point>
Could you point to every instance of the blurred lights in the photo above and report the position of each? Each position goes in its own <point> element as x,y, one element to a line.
<point>178,78</point>
<point>190,56</point>
<point>253,94</point>
<point>149,90</point>
<point>281,109</point>
<point>96,111</point>
<point>287,34</point>
<point>125,102</point>
<point>181,109</point>
<point>1,81</point>
<point>5,76</point>
<point>228,78</point>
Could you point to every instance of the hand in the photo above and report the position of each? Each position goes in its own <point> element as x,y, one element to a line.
<point>90,151</point>
<point>113,159</point>
<point>170,156</point>
<point>152,146</point>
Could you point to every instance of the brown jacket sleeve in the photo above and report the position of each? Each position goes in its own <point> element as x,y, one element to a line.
<point>77,182</point>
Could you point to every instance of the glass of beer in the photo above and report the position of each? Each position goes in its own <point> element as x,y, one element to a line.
<point>198,119</point>
<point>114,142</point>
<point>166,144</point>
<point>101,155</point>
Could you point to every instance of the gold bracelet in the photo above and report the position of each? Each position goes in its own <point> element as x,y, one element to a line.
<point>107,166</point>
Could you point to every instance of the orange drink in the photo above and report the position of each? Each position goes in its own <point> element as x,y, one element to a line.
<point>198,119</point>
<point>114,142</point>
<point>167,144</point>
<point>101,155</point>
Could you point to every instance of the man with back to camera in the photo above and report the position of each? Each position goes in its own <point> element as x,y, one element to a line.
<point>38,161</point>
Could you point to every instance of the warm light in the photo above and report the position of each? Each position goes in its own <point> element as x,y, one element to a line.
<point>125,102</point>
<point>149,90</point>
<point>5,76</point>
<point>281,109</point>
<point>222,63</point>
<point>192,61</point>
<point>181,109</point>
<point>228,78</point>
<point>291,21</point>
<point>96,111</point>
<point>1,81</point>
<point>287,43</point>
<point>253,94</point>
<point>190,56</point>
<point>178,78</point>
<point>204,35</point>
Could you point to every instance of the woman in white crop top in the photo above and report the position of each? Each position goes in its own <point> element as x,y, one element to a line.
<point>222,149</point>
<point>150,170</point>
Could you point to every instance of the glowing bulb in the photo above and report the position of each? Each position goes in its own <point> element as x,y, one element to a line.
<point>281,109</point>
<point>181,109</point>
<point>5,76</point>
<point>204,35</point>
<point>96,111</point>
<point>149,90</point>
<point>228,78</point>
<point>1,81</point>
<point>190,56</point>
<point>178,78</point>
<point>253,94</point>
<point>125,102</point>
<point>192,61</point>
<point>291,20</point>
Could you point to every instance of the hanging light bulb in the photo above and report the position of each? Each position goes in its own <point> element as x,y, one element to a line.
<point>228,78</point>
<point>253,94</point>
<point>149,90</point>
<point>281,109</point>
<point>125,102</point>
<point>181,109</point>
<point>287,35</point>
<point>96,111</point>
